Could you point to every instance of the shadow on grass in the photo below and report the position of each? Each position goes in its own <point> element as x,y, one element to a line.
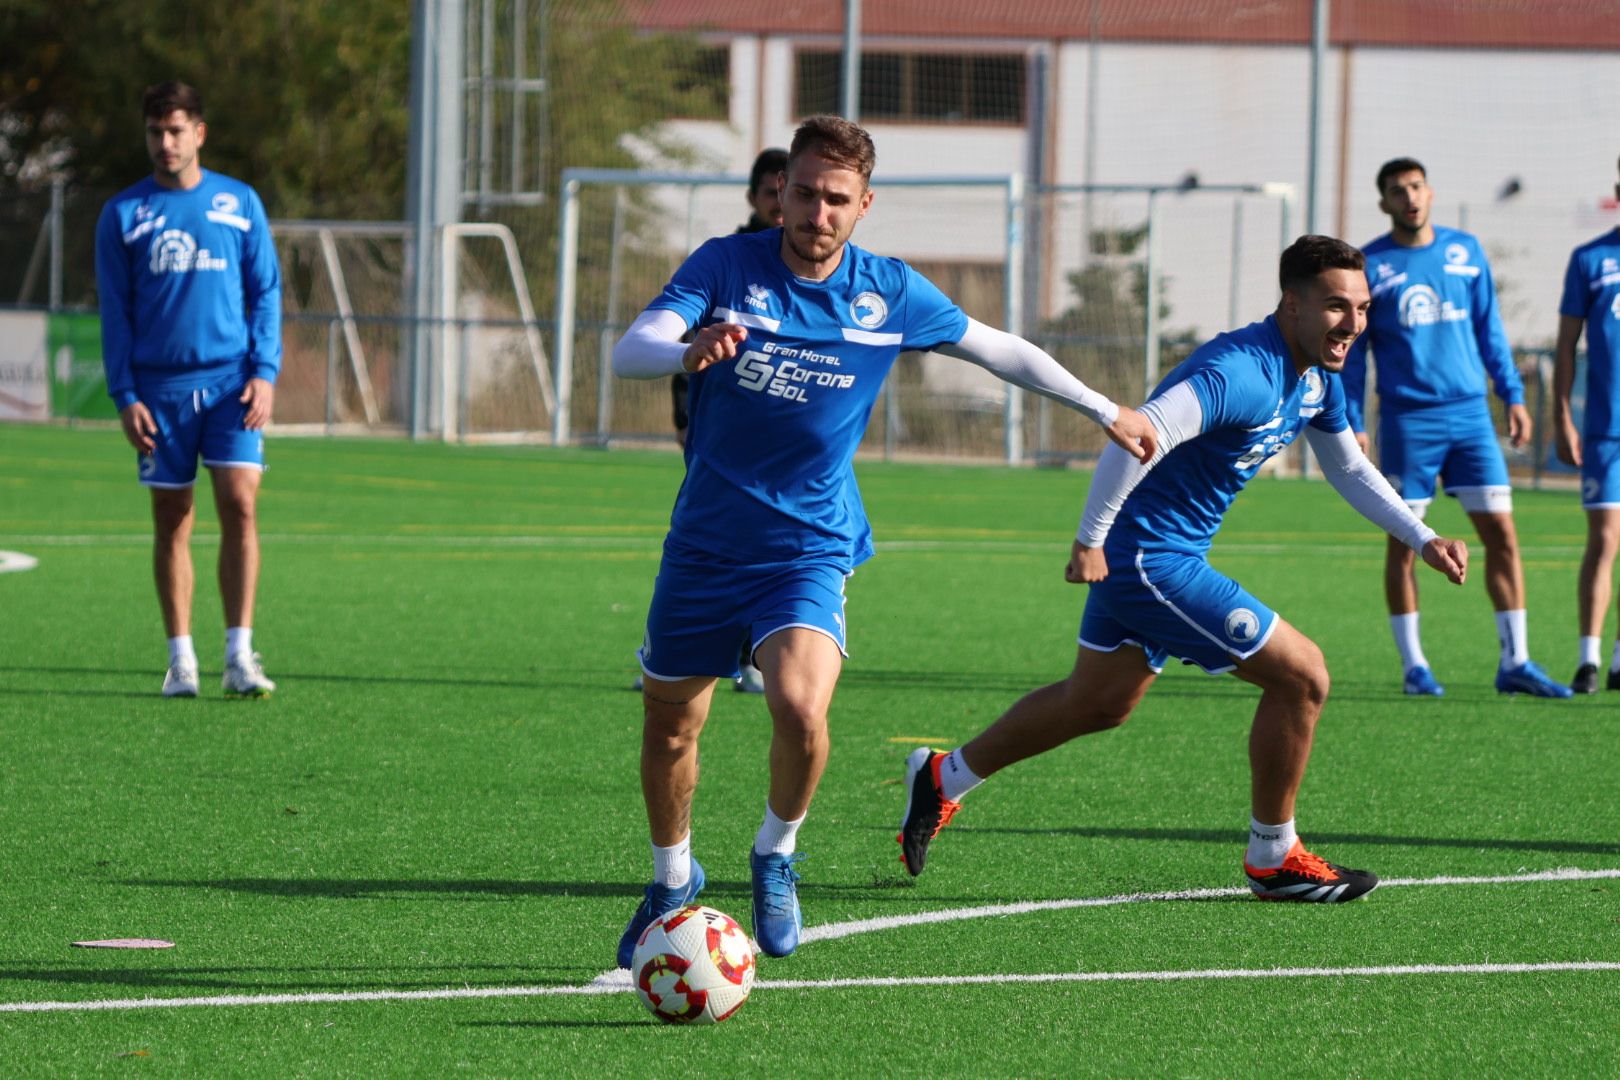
<point>1229,836</point>
<point>262,980</point>
<point>649,1022</point>
<point>722,894</point>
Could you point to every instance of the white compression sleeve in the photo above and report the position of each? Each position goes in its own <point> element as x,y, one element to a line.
<point>1177,417</point>
<point>1364,487</point>
<point>652,347</point>
<point>1024,364</point>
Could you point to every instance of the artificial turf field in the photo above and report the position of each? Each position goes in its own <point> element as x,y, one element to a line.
<point>442,797</point>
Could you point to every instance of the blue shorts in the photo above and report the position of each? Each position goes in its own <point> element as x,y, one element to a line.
<point>704,614</point>
<point>206,422</point>
<point>1600,474</point>
<point>1174,604</point>
<point>1456,442</point>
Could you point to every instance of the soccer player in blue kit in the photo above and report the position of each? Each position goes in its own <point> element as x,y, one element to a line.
<point>1436,334</point>
<point>1591,301</point>
<point>190,294</point>
<point>1143,545</point>
<point>796,329</point>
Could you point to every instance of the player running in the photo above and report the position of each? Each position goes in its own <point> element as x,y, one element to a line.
<point>1143,544</point>
<point>191,341</point>
<point>1436,334</point>
<point>796,329</point>
<point>1592,301</point>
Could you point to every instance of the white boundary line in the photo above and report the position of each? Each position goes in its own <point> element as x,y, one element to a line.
<point>15,561</point>
<point>614,982</point>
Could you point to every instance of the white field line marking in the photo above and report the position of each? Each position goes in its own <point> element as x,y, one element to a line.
<point>612,982</point>
<point>15,561</point>
<point>833,931</point>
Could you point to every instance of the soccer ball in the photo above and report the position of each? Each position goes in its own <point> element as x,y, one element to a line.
<point>694,965</point>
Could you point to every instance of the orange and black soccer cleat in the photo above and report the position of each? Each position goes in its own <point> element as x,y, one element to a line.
<point>927,809</point>
<point>1310,879</point>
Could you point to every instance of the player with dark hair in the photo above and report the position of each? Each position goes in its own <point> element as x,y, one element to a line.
<point>1591,301</point>
<point>796,329</point>
<point>1143,547</point>
<point>1436,333</point>
<point>190,294</point>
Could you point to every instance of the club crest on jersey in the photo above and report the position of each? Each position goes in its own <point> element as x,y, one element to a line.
<point>1315,388</point>
<point>175,251</point>
<point>1456,253</point>
<point>759,297</point>
<point>1614,308</point>
<point>226,203</point>
<point>1242,625</point>
<point>869,310</point>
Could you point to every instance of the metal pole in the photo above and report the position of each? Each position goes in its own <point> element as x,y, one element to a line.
<point>1013,305</point>
<point>849,94</point>
<point>1319,33</point>
<point>567,248</point>
<point>55,298</point>
<point>520,40</point>
<point>486,101</point>
<point>331,372</point>
<point>604,342</point>
<point>1150,352</point>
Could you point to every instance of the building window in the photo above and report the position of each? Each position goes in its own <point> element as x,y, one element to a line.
<point>917,87</point>
<point>702,78</point>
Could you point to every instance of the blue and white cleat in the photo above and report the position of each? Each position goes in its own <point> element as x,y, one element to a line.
<point>776,903</point>
<point>1420,682</point>
<point>1527,678</point>
<point>658,900</point>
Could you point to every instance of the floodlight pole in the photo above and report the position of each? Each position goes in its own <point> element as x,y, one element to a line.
<point>1319,35</point>
<point>849,97</point>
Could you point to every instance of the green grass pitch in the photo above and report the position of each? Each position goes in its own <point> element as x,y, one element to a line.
<point>442,795</point>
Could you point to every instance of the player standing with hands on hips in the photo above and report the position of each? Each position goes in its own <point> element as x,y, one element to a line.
<point>190,294</point>
<point>1436,334</point>
<point>796,329</point>
<point>1143,547</point>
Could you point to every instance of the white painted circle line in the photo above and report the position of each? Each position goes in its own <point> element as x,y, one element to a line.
<point>612,982</point>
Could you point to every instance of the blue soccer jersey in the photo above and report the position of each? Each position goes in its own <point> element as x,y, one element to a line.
<point>773,434</point>
<point>189,285</point>
<point>1592,292</point>
<point>1434,327</point>
<point>1254,405</point>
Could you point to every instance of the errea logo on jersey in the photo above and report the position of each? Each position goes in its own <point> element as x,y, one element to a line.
<point>759,297</point>
<point>175,251</point>
<point>1614,308</point>
<point>869,310</point>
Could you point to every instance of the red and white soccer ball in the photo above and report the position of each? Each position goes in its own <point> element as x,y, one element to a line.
<point>694,965</point>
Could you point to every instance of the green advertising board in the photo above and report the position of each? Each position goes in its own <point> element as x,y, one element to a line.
<point>73,354</point>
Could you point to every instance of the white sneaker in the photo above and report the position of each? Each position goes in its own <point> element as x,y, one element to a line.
<point>751,681</point>
<point>181,679</point>
<point>245,675</point>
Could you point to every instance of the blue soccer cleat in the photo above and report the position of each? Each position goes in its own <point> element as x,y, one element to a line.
<point>1420,682</point>
<point>1527,678</point>
<point>658,900</point>
<point>776,903</point>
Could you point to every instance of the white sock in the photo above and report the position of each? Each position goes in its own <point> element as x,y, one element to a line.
<point>180,648</point>
<point>955,778</point>
<point>672,866</point>
<point>1513,630</point>
<point>776,837</point>
<point>1269,844</point>
<point>238,640</point>
<point>1407,640</point>
<point>1590,647</point>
